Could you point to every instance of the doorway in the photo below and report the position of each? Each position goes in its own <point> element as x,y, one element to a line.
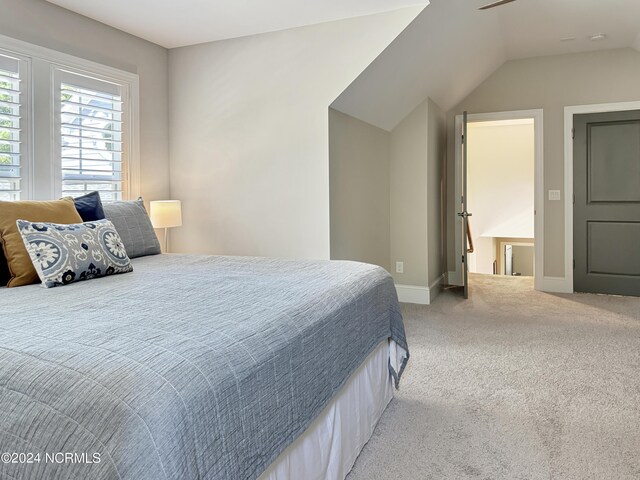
<point>500,193</point>
<point>504,180</point>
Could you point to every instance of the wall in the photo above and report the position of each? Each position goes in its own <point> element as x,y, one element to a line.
<point>359,190</point>
<point>47,25</point>
<point>550,83</point>
<point>498,252</point>
<point>500,191</point>
<point>408,180</point>
<point>417,156</point>
<point>250,134</point>
<point>387,196</point>
<point>436,158</point>
<point>523,260</point>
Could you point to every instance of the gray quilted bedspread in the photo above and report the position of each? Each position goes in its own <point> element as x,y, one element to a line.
<point>191,367</point>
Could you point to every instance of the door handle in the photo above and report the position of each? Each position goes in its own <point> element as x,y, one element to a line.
<point>465,214</point>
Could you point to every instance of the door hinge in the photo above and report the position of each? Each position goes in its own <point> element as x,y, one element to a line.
<point>462,258</point>
<point>573,133</point>
<point>462,139</point>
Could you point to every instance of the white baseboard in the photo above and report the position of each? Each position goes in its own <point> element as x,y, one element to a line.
<point>413,294</point>
<point>557,285</point>
<point>419,295</point>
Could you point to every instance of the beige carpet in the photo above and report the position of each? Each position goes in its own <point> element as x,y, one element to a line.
<point>514,384</point>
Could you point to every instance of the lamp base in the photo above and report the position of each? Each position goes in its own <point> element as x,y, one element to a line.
<point>166,240</point>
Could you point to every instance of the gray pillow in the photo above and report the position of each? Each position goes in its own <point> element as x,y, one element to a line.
<point>134,227</point>
<point>63,254</point>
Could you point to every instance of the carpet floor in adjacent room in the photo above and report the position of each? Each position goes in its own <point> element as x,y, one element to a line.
<point>514,384</point>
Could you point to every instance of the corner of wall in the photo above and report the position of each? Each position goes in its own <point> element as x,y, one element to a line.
<point>408,198</point>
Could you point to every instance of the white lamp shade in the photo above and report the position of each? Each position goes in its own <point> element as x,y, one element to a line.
<point>166,213</point>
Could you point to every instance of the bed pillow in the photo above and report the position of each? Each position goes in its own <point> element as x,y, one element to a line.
<point>63,254</point>
<point>21,270</point>
<point>134,226</point>
<point>89,207</point>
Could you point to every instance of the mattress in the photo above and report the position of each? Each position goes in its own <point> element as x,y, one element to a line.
<point>191,367</point>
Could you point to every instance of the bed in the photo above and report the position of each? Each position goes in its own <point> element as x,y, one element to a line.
<point>198,367</point>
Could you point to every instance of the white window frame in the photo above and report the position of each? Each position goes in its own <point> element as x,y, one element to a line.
<point>26,133</point>
<point>60,75</point>
<point>43,179</point>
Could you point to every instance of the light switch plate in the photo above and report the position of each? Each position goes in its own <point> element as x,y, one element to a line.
<point>554,195</point>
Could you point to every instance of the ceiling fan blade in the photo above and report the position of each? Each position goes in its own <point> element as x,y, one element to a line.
<point>496,4</point>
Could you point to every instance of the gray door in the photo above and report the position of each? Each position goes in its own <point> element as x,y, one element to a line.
<point>606,212</point>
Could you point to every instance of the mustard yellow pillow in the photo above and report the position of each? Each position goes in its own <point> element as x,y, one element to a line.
<point>20,266</point>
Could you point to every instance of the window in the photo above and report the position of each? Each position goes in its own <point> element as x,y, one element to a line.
<point>90,126</point>
<point>67,126</point>
<point>11,92</point>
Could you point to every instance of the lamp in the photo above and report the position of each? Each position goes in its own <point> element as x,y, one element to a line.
<point>166,214</point>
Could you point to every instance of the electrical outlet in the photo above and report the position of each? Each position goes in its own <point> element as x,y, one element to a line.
<point>399,267</point>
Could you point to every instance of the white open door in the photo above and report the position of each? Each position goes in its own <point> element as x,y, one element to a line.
<point>462,215</point>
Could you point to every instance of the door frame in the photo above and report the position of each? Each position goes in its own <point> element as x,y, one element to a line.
<point>566,284</point>
<point>455,277</point>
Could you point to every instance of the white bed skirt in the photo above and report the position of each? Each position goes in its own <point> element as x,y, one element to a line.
<point>329,447</point>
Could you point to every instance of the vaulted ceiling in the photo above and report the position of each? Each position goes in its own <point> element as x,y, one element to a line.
<point>177,23</point>
<point>451,47</point>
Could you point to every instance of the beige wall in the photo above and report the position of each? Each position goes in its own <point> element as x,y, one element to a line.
<point>359,186</point>
<point>550,83</point>
<point>436,158</point>
<point>408,180</point>
<point>250,134</point>
<point>523,258</point>
<point>47,25</point>
<point>501,175</point>
<point>528,254</point>
<point>386,193</point>
<point>417,156</point>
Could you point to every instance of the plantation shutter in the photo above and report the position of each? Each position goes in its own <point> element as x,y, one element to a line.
<point>91,137</point>
<point>11,92</point>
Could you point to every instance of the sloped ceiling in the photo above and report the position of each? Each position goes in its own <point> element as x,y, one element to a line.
<point>448,50</point>
<point>451,47</point>
<point>172,23</point>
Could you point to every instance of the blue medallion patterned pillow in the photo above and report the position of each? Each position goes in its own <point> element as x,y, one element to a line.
<point>63,254</point>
